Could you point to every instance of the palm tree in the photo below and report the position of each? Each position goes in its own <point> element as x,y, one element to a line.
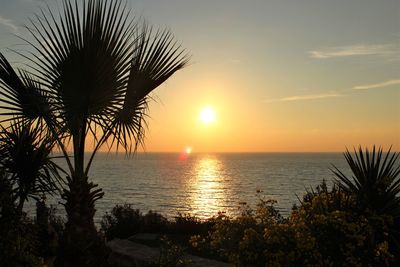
<point>26,162</point>
<point>92,73</point>
<point>375,181</point>
<point>375,184</point>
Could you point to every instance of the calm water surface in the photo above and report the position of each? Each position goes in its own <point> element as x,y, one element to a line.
<point>204,184</point>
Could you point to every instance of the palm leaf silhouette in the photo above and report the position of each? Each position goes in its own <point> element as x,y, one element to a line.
<point>375,180</point>
<point>92,70</point>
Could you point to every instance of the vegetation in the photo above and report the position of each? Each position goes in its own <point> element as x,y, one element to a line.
<point>124,221</point>
<point>375,184</point>
<point>330,227</point>
<point>18,235</point>
<point>323,231</point>
<point>92,73</point>
<point>334,226</point>
<point>25,160</point>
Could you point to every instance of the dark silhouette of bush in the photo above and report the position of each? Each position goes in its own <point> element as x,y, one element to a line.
<point>186,224</point>
<point>123,221</point>
<point>18,235</point>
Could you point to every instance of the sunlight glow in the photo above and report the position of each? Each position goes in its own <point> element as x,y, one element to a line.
<point>207,115</point>
<point>188,150</point>
<point>207,190</point>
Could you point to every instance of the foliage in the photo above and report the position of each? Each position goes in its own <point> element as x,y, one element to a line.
<point>18,241</point>
<point>92,73</point>
<point>375,185</point>
<point>171,254</point>
<point>18,244</point>
<point>239,240</point>
<point>186,224</point>
<point>323,231</point>
<point>317,234</point>
<point>25,159</point>
<point>124,221</point>
<point>375,181</point>
<point>56,222</point>
<point>50,229</point>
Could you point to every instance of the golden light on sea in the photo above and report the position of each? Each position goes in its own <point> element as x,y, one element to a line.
<point>207,192</point>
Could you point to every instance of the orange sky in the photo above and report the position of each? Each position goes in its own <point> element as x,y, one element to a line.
<point>280,75</point>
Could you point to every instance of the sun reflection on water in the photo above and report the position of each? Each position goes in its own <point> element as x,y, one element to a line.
<point>207,192</point>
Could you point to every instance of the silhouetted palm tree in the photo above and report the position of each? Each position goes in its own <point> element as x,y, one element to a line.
<point>375,180</point>
<point>93,72</point>
<point>375,183</point>
<point>26,162</point>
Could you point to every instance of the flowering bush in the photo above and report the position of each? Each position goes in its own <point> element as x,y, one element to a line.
<point>324,230</point>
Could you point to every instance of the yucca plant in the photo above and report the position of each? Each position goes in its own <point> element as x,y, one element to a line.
<point>375,184</point>
<point>375,180</point>
<point>25,159</point>
<point>92,70</point>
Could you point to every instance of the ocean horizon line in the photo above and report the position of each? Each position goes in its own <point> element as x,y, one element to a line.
<point>213,152</point>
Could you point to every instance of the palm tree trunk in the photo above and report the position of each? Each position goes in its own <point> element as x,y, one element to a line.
<point>81,245</point>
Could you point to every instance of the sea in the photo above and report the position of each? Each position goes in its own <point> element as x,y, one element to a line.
<point>204,184</point>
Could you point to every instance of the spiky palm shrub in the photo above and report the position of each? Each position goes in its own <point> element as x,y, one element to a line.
<point>375,184</point>
<point>375,180</point>
<point>93,71</point>
<point>25,159</point>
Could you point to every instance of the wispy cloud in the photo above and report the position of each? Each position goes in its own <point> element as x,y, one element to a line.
<point>9,23</point>
<point>304,97</point>
<point>235,61</point>
<point>376,85</point>
<point>384,50</point>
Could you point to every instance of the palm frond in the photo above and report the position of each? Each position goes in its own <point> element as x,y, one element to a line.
<point>25,157</point>
<point>83,57</point>
<point>156,58</point>
<point>375,180</point>
<point>21,95</point>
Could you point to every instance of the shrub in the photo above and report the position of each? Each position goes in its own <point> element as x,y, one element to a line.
<point>240,240</point>
<point>187,224</point>
<point>323,231</point>
<point>375,186</point>
<point>153,222</point>
<point>50,229</point>
<point>171,254</point>
<point>124,221</point>
<point>375,181</point>
<point>18,235</point>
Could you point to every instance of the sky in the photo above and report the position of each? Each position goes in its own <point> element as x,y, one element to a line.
<point>280,76</point>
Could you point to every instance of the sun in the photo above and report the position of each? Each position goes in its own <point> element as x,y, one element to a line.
<point>207,115</point>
